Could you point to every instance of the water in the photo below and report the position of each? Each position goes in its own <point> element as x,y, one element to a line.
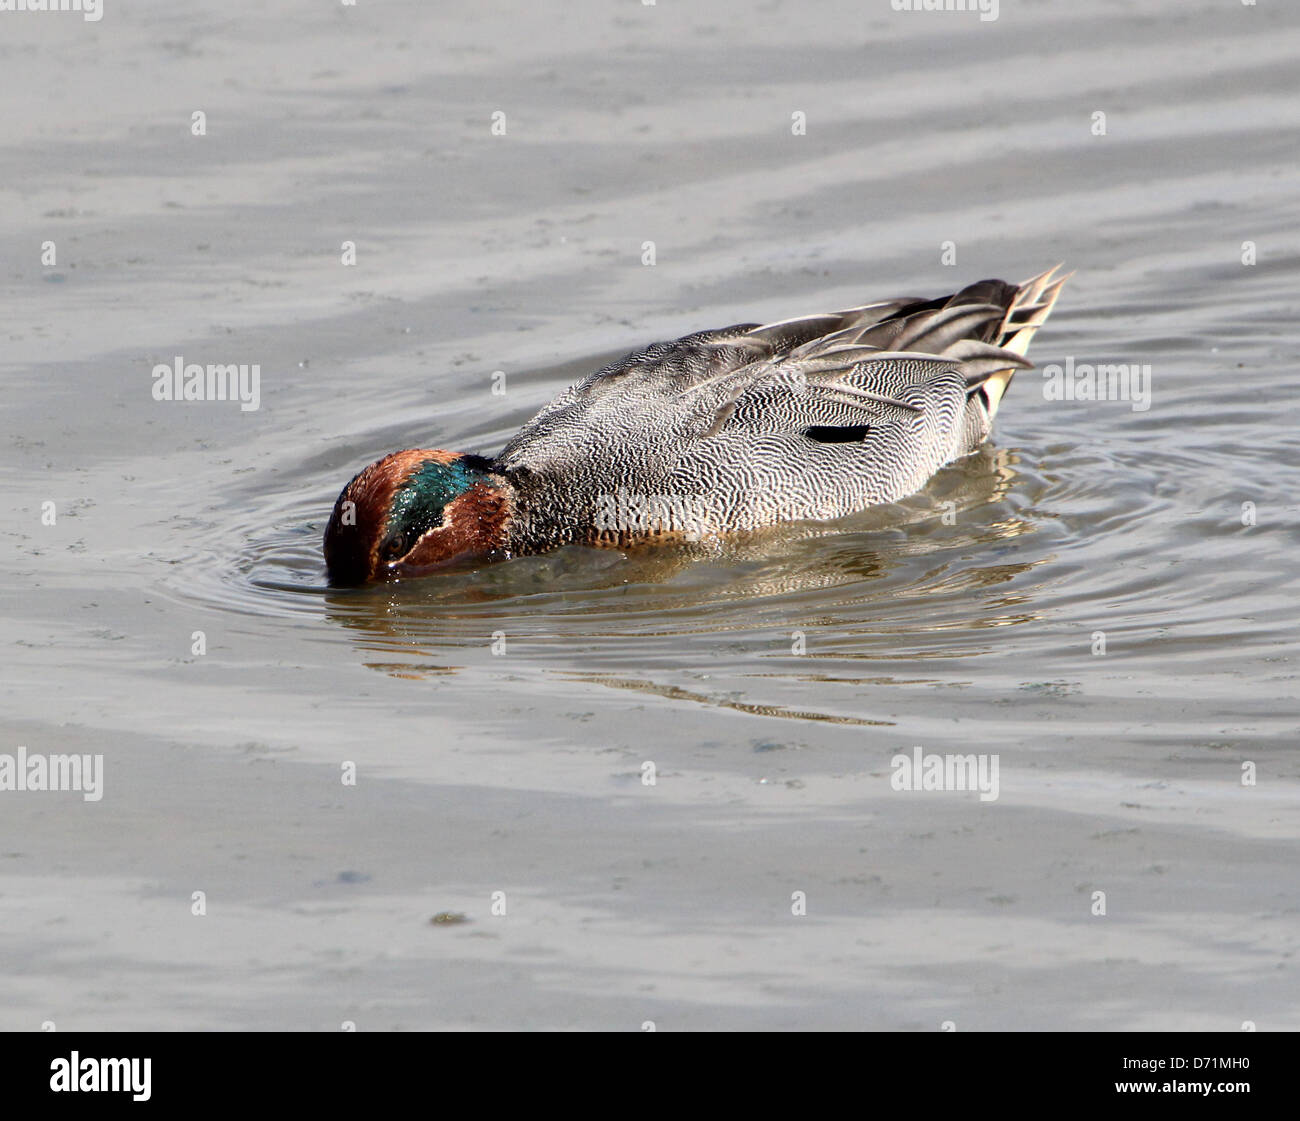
<point>499,721</point>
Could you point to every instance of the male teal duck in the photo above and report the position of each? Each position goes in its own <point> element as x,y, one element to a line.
<point>806,419</point>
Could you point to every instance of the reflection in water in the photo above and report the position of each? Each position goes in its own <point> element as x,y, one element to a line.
<point>411,670</point>
<point>676,693</point>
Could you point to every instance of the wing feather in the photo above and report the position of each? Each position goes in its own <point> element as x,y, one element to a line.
<point>750,401</point>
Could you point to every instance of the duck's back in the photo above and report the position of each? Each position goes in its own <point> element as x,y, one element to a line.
<point>809,418</point>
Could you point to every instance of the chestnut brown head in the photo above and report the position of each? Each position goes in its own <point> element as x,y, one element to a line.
<point>412,512</point>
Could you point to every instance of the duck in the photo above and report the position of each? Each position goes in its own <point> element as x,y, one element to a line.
<point>718,432</point>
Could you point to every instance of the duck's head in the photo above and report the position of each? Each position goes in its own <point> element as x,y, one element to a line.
<point>412,511</point>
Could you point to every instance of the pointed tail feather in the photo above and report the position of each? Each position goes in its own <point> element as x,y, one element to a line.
<point>1029,308</point>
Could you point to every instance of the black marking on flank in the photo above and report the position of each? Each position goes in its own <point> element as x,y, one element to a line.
<point>837,433</point>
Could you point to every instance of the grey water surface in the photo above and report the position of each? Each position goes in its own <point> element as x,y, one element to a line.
<point>1104,598</point>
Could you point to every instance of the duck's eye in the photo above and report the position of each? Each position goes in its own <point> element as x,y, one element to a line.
<point>394,547</point>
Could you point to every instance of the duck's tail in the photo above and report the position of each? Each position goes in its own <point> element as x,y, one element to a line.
<point>986,327</point>
<point>1030,304</point>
